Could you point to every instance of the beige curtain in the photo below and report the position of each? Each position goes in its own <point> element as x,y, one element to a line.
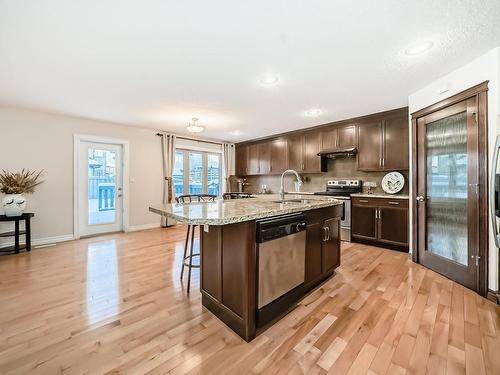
<point>228,159</point>
<point>168,159</point>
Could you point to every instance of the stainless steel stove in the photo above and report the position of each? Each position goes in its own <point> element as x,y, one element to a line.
<point>342,190</point>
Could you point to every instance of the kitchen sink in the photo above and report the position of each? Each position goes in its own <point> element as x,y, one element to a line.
<point>289,201</point>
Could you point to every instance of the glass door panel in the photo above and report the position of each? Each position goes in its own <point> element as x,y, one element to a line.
<point>178,173</point>
<point>101,194</point>
<point>447,187</point>
<point>213,174</point>
<point>195,173</point>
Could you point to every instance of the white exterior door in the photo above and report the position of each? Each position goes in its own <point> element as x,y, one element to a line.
<point>100,188</point>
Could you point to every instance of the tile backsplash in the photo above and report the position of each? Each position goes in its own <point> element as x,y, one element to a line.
<point>340,168</point>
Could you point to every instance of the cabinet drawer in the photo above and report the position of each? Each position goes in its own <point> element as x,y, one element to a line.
<point>380,202</point>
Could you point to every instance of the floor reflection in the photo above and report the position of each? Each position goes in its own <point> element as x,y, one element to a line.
<point>103,293</point>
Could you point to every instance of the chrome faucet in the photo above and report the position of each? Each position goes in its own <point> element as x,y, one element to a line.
<point>282,189</point>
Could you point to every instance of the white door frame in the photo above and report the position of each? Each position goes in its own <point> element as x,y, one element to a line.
<point>78,139</point>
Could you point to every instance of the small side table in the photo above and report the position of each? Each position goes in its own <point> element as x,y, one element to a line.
<point>16,233</point>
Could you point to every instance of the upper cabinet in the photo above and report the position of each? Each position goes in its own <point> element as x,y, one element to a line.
<point>383,142</point>
<point>303,152</point>
<point>338,138</point>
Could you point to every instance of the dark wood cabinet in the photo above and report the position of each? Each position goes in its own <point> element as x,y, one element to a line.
<point>381,140</point>
<point>264,158</point>
<point>380,221</point>
<point>364,222</point>
<point>370,146</point>
<point>339,137</point>
<point>253,159</point>
<point>295,152</point>
<point>312,145</point>
<point>322,244</point>
<point>279,156</point>
<point>383,143</point>
<point>395,151</point>
<point>241,154</point>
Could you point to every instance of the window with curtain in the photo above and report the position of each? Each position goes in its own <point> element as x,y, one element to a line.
<point>197,172</point>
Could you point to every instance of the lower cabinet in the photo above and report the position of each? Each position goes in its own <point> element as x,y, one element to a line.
<point>322,244</point>
<point>380,221</point>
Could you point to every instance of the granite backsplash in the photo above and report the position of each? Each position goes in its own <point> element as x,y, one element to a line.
<point>340,168</point>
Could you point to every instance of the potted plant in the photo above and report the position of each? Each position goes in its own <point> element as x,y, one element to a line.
<point>14,185</point>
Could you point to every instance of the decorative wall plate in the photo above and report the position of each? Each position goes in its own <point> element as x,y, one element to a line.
<point>393,182</point>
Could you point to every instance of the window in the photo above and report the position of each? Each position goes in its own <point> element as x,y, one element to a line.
<point>197,172</point>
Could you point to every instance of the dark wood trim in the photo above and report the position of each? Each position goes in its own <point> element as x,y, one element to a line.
<point>480,93</point>
<point>461,96</point>
<point>377,243</point>
<point>493,296</point>
<point>326,125</point>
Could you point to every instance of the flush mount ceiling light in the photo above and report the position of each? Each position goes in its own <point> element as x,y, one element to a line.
<point>236,133</point>
<point>269,80</point>
<point>419,48</point>
<point>313,112</point>
<point>194,127</point>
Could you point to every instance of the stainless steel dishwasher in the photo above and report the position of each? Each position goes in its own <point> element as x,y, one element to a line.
<point>281,247</point>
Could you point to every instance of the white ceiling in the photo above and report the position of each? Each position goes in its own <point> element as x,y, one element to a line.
<point>157,63</point>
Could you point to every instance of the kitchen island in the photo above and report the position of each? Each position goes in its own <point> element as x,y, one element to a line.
<point>231,231</point>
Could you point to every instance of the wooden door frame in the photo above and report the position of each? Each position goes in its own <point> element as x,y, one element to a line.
<point>480,92</point>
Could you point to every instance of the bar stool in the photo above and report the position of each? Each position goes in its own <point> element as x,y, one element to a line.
<point>187,260</point>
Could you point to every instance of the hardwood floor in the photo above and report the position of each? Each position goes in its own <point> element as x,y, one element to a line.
<point>114,304</point>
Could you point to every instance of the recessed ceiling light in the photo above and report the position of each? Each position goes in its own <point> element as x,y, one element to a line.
<point>269,80</point>
<point>419,48</point>
<point>236,133</point>
<point>313,112</point>
<point>194,127</point>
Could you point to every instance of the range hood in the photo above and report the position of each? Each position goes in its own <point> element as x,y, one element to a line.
<point>349,152</point>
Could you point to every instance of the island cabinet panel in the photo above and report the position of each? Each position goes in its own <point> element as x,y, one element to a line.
<point>322,244</point>
<point>380,221</point>
<point>331,245</point>
<point>279,156</point>
<point>228,275</point>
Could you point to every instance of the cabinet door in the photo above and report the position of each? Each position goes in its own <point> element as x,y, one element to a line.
<point>312,144</point>
<point>370,146</point>
<point>346,136</point>
<point>295,153</point>
<point>331,245</point>
<point>253,159</point>
<point>279,156</point>
<point>395,144</point>
<point>329,139</point>
<point>265,158</point>
<point>393,226</point>
<point>241,160</point>
<point>313,252</point>
<point>364,222</point>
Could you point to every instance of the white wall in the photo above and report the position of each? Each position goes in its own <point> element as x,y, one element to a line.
<point>36,140</point>
<point>486,67</point>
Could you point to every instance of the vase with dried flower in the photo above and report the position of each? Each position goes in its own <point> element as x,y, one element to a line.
<point>14,185</point>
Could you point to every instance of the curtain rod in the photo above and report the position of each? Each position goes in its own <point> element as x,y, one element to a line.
<point>194,139</point>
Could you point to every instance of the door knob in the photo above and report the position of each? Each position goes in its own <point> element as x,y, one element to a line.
<point>420,198</point>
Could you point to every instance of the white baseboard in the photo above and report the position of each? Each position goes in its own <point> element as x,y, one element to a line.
<point>40,241</point>
<point>135,228</point>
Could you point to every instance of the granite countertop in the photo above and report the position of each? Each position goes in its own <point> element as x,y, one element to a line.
<point>223,212</point>
<point>380,195</point>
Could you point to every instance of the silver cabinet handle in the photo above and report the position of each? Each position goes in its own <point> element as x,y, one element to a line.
<point>327,233</point>
<point>394,203</point>
<point>324,234</point>
<point>420,198</point>
<point>363,201</point>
